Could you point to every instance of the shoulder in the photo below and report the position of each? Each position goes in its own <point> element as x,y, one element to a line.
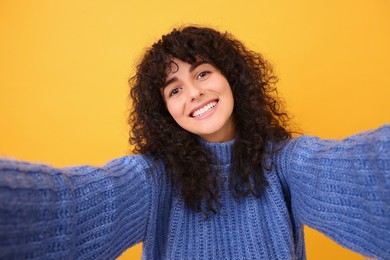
<point>312,154</point>
<point>137,163</point>
<point>368,143</point>
<point>379,137</point>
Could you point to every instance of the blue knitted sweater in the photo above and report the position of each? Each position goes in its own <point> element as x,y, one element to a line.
<point>341,188</point>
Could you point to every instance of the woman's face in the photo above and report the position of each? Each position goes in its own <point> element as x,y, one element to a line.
<point>200,100</point>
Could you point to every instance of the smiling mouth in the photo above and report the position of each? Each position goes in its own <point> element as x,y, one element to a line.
<point>201,111</point>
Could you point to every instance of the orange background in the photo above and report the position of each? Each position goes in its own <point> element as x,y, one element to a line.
<point>64,67</point>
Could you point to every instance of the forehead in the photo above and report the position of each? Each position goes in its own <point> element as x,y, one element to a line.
<point>188,59</point>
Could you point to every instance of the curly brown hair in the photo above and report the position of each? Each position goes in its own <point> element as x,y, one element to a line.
<point>258,113</point>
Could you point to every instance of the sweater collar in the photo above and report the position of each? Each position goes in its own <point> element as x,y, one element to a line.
<point>222,151</point>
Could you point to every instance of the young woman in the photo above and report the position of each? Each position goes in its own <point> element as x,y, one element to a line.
<point>216,173</point>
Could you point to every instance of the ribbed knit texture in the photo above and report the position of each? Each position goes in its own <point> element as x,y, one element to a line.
<point>341,188</point>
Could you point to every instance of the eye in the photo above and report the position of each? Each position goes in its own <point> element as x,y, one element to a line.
<point>203,74</point>
<point>174,91</point>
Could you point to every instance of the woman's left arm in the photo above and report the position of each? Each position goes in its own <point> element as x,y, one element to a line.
<point>342,188</point>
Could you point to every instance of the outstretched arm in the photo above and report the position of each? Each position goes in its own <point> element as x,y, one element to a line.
<point>79,212</point>
<point>342,188</point>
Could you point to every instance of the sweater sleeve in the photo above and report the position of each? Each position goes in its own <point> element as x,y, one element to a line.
<point>342,188</point>
<point>77,212</point>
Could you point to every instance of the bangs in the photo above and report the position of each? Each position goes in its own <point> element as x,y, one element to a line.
<point>170,66</point>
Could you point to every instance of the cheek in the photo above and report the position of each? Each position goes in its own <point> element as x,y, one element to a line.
<point>229,98</point>
<point>227,93</point>
<point>171,112</point>
<point>222,86</point>
<point>176,109</point>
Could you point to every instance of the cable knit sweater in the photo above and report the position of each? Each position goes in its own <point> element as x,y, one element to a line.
<point>341,188</point>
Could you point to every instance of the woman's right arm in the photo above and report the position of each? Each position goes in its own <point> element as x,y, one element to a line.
<point>78,212</point>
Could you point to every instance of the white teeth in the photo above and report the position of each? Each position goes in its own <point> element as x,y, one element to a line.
<point>204,109</point>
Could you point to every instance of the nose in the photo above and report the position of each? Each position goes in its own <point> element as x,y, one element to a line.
<point>195,92</point>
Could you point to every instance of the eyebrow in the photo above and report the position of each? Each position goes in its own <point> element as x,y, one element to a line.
<point>192,68</point>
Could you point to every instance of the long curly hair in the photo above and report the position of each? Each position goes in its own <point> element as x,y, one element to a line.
<point>258,113</point>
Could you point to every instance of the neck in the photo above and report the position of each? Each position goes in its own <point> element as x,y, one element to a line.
<point>223,151</point>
